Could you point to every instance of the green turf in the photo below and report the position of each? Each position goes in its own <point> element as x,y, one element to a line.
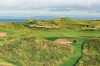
<point>77,53</point>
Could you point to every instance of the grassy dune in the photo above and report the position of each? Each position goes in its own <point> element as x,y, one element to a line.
<point>34,51</point>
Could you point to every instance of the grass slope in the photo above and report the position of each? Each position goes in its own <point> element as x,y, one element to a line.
<point>34,51</point>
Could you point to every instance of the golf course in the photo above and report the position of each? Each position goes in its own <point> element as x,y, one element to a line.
<point>56,42</point>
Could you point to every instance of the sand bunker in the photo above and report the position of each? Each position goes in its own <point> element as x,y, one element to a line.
<point>3,34</point>
<point>65,41</point>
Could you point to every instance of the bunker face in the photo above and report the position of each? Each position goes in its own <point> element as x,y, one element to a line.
<point>65,41</point>
<point>3,34</point>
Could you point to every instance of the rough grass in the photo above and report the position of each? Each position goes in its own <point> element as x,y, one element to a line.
<point>91,50</point>
<point>33,51</point>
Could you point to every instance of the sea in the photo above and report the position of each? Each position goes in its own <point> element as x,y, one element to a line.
<point>5,19</point>
<point>12,20</point>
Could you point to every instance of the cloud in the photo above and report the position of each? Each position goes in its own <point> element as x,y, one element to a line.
<point>50,7</point>
<point>36,4</point>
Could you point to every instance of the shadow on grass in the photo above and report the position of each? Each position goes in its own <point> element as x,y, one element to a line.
<point>54,38</point>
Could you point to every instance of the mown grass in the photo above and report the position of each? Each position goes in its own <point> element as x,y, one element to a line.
<point>77,53</point>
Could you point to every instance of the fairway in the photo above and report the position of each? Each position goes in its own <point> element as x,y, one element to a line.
<point>64,33</point>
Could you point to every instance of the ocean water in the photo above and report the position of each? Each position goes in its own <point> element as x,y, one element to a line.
<point>12,20</point>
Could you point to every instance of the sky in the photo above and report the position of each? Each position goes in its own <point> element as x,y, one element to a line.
<point>62,8</point>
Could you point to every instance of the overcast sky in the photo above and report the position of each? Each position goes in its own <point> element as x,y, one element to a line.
<point>50,8</point>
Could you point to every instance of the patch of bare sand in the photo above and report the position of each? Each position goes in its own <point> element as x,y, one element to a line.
<point>65,41</point>
<point>3,34</point>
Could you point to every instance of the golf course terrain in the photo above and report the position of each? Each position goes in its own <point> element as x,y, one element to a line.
<point>57,42</point>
